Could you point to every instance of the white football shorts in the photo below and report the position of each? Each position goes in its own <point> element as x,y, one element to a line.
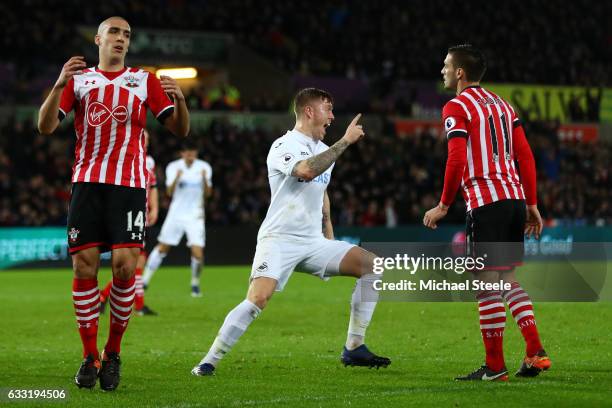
<point>277,258</point>
<point>172,231</point>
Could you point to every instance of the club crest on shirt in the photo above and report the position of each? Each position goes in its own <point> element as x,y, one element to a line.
<point>263,267</point>
<point>287,157</point>
<point>73,234</point>
<point>449,123</point>
<point>131,81</point>
<point>98,114</point>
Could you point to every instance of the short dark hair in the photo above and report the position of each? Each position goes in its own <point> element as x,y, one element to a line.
<point>307,95</point>
<point>470,59</point>
<point>188,144</point>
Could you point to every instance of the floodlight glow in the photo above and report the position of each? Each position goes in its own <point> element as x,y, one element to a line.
<point>177,73</point>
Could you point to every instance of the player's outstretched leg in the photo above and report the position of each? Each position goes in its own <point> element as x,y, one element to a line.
<point>86,300</point>
<point>153,263</point>
<point>492,323</point>
<point>359,263</point>
<point>121,300</point>
<point>236,323</point>
<point>536,359</point>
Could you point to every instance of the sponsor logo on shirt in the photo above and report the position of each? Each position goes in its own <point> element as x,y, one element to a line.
<point>98,114</point>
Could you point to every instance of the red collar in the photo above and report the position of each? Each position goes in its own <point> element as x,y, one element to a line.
<point>110,75</point>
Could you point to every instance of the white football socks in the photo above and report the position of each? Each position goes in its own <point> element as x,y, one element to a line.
<point>153,262</point>
<point>235,324</point>
<point>196,268</point>
<point>363,303</point>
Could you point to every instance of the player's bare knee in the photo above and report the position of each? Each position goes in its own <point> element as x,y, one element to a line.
<point>357,262</point>
<point>259,299</point>
<point>367,265</point>
<point>124,262</point>
<point>84,267</point>
<point>488,276</point>
<point>509,277</point>
<point>163,248</point>
<point>123,269</point>
<point>197,253</point>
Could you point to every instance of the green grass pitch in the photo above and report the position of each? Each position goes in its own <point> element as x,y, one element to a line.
<point>290,354</point>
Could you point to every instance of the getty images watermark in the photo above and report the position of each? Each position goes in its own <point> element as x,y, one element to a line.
<point>559,271</point>
<point>404,263</point>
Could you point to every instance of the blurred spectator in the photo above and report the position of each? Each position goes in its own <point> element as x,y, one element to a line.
<point>390,214</point>
<point>383,181</point>
<point>382,43</point>
<point>222,97</point>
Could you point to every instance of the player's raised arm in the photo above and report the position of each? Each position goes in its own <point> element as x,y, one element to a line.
<point>48,119</point>
<point>310,168</point>
<point>328,228</point>
<point>178,121</point>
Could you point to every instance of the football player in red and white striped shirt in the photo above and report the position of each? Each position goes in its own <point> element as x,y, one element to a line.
<point>485,138</point>
<point>152,213</point>
<point>107,208</point>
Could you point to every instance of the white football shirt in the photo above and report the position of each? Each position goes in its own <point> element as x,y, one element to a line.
<point>296,206</point>
<point>188,197</point>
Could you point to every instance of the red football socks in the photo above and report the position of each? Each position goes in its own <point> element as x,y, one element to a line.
<point>121,300</point>
<point>86,300</point>
<point>492,322</point>
<point>520,305</point>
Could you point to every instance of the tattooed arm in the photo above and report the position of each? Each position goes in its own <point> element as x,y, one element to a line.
<point>328,228</point>
<point>316,165</point>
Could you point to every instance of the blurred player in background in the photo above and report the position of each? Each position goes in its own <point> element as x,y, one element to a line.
<point>107,207</point>
<point>152,212</point>
<point>485,137</point>
<point>297,233</point>
<point>188,182</point>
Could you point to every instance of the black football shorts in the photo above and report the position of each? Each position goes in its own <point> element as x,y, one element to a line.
<point>106,216</point>
<point>495,232</point>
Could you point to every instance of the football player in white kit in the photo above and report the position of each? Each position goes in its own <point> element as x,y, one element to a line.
<point>292,235</point>
<point>188,181</point>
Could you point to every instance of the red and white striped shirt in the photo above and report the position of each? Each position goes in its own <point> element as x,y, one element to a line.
<point>487,122</point>
<point>110,117</point>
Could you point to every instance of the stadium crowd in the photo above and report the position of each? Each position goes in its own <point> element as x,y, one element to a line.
<point>386,180</point>
<point>336,38</point>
